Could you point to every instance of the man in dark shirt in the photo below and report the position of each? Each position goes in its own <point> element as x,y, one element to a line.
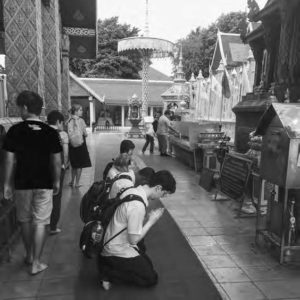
<point>36,150</point>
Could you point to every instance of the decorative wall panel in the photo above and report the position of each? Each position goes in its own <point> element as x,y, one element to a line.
<point>50,57</point>
<point>21,34</point>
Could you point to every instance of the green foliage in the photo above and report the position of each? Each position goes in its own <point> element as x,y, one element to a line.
<point>198,46</point>
<point>109,64</point>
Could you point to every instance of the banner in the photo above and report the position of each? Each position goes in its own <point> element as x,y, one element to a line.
<point>225,85</point>
<point>79,21</point>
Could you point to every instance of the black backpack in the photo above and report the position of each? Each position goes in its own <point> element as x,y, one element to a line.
<point>91,240</point>
<point>96,197</point>
<point>107,168</point>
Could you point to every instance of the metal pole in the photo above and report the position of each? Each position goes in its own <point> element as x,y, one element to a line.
<point>145,92</point>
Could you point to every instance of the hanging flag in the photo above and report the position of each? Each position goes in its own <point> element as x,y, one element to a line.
<point>246,87</point>
<point>225,85</point>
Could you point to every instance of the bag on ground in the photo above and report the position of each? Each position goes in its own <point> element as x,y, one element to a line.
<point>91,240</point>
<point>96,197</point>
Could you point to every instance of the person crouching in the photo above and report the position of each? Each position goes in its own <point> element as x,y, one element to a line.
<point>121,260</point>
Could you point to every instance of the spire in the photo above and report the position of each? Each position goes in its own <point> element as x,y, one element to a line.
<point>146,31</point>
<point>179,75</point>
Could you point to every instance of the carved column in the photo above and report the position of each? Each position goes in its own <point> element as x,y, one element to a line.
<point>24,49</point>
<point>65,99</point>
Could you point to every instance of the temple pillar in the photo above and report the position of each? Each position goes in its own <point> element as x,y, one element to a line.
<point>92,110</point>
<point>65,95</point>
<point>123,116</point>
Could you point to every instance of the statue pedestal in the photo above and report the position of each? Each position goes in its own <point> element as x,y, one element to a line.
<point>248,112</point>
<point>135,130</point>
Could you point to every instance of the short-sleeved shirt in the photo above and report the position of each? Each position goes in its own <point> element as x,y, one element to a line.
<point>121,184</point>
<point>130,215</point>
<point>33,142</point>
<point>163,125</point>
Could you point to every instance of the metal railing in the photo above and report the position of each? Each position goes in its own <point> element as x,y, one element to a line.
<point>107,128</point>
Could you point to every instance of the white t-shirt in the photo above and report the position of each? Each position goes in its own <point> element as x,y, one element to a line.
<point>130,215</point>
<point>121,183</point>
<point>112,173</point>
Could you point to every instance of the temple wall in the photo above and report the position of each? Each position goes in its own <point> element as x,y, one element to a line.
<point>23,60</point>
<point>33,53</point>
<point>51,57</point>
<point>211,106</point>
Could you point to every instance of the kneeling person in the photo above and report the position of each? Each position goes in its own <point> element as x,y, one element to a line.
<point>121,260</point>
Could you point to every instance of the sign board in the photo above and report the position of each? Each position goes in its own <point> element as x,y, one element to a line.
<point>234,175</point>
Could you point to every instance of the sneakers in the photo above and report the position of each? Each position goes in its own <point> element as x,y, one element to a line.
<point>56,231</point>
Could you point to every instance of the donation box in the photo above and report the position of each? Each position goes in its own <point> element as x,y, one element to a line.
<point>280,160</point>
<point>280,168</point>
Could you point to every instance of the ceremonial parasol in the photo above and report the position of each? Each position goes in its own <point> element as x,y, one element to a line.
<point>148,47</point>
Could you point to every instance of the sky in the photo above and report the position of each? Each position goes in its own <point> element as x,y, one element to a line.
<point>169,19</point>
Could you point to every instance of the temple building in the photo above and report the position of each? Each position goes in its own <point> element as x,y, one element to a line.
<point>39,36</point>
<point>106,100</point>
<point>275,46</point>
<point>232,62</point>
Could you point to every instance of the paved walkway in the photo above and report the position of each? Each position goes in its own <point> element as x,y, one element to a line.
<point>223,244</point>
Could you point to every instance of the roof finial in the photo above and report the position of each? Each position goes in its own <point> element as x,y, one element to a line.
<point>179,76</point>
<point>146,33</point>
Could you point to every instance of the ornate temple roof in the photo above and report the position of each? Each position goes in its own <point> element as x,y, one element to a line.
<point>118,91</point>
<point>231,49</point>
<point>180,89</point>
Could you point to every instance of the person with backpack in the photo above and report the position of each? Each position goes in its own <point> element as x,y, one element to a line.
<point>56,120</point>
<point>78,152</point>
<point>126,147</point>
<point>125,177</point>
<point>121,260</point>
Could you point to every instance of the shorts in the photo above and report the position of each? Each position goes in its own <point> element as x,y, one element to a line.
<point>34,205</point>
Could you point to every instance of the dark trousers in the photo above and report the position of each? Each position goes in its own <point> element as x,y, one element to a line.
<point>55,214</point>
<point>135,270</point>
<point>162,143</point>
<point>149,140</point>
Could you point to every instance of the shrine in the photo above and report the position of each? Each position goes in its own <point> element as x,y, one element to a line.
<point>275,46</point>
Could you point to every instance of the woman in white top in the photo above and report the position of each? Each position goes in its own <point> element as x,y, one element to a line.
<point>78,152</point>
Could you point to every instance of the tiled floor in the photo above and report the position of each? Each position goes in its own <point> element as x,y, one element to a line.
<point>224,244</point>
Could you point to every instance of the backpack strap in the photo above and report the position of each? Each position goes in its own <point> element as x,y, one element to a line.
<point>128,198</point>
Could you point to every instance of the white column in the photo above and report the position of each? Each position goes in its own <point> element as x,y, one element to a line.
<point>92,110</point>
<point>151,111</point>
<point>123,116</point>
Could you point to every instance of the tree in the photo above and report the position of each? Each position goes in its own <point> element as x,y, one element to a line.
<point>198,46</point>
<point>109,64</point>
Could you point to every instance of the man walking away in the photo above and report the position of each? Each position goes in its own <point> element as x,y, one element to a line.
<point>36,148</point>
<point>56,120</point>
<point>149,138</point>
<point>163,127</point>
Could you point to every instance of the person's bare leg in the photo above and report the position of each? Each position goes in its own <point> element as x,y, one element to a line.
<point>73,175</point>
<point>26,231</point>
<point>78,175</point>
<point>39,237</point>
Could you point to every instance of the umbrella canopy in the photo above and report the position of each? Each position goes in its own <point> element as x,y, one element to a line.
<point>157,48</point>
